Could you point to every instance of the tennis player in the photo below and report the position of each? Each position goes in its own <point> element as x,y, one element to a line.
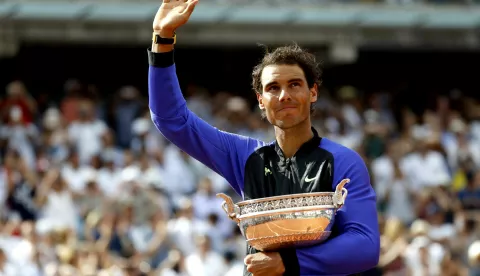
<point>298,161</point>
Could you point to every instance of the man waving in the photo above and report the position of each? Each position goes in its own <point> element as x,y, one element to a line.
<point>298,161</point>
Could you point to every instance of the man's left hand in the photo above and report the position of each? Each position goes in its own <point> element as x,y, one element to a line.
<point>265,264</point>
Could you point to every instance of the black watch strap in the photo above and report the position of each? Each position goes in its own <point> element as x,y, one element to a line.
<point>157,39</point>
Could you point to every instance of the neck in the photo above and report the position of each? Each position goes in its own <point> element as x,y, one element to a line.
<point>291,139</point>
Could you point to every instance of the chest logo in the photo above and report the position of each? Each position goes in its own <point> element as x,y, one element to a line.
<point>307,179</point>
<point>267,171</point>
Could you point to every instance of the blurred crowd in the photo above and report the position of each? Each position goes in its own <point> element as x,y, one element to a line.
<point>89,186</point>
<point>313,2</point>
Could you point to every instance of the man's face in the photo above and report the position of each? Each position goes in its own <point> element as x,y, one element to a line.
<point>286,97</point>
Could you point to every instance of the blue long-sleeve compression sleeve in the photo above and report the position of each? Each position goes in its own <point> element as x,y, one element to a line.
<point>357,246</point>
<point>223,152</point>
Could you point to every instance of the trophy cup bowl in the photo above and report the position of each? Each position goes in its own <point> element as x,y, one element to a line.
<point>295,220</point>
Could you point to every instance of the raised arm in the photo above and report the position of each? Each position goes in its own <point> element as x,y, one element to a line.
<point>357,246</point>
<point>223,152</point>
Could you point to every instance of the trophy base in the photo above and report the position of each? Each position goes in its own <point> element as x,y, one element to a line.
<point>274,243</point>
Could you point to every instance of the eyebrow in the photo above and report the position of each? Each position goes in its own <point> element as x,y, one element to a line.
<point>289,81</point>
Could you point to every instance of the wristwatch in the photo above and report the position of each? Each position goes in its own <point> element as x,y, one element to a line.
<point>157,39</point>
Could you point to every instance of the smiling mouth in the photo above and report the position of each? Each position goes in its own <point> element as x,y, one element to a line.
<point>286,108</point>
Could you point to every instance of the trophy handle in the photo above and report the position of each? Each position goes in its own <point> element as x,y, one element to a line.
<point>340,194</point>
<point>229,207</point>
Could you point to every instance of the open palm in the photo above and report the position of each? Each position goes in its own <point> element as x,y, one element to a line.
<point>173,14</point>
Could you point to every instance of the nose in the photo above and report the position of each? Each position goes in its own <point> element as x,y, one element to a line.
<point>285,96</point>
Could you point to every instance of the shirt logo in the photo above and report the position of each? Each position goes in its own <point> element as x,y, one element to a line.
<point>318,173</point>
<point>267,171</point>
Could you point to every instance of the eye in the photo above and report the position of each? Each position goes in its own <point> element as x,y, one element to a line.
<point>295,84</point>
<point>273,88</point>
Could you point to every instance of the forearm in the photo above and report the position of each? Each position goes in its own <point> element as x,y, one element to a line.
<point>225,153</point>
<point>355,250</point>
<point>170,113</point>
<point>349,253</point>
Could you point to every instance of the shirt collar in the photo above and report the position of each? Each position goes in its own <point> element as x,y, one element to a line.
<point>307,147</point>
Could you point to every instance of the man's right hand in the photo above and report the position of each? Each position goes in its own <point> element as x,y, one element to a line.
<point>171,15</point>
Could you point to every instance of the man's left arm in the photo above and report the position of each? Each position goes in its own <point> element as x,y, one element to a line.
<point>357,247</point>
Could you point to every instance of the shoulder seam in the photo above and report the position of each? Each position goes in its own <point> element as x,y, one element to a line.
<point>257,152</point>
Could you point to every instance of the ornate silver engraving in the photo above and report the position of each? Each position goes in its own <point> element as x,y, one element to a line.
<point>307,201</point>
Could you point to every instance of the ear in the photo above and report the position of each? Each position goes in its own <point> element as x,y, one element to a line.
<point>260,101</point>
<point>314,93</point>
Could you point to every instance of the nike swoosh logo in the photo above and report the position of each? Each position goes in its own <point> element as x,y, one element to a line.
<point>318,173</point>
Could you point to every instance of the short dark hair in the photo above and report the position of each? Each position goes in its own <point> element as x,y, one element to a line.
<point>288,55</point>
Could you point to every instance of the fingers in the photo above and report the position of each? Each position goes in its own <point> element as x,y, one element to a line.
<point>254,268</point>
<point>248,259</point>
<point>254,262</point>
<point>255,258</point>
<point>190,6</point>
<point>257,269</point>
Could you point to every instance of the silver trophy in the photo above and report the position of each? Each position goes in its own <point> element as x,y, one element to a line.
<point>296,220</point>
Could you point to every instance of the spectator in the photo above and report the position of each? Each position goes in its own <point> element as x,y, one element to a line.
<point>18,98</point>
<point>19,136</point>
<point>86,133</point>
<point>126,109</point>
